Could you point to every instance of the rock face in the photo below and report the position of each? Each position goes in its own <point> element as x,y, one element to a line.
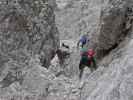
<point>23,41</point>
<point>27,28</point>
<point>77,17</point>
<point>115,23</point>
<point>27,25</point>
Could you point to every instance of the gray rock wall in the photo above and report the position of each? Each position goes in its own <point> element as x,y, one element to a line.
<point>77,17</point>
<point>112,81</point>
<point>27,28</point>
<point>115,23</point>
<point>27,25</point>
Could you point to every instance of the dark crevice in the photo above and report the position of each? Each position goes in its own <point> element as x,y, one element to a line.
<point>103,53</point>
<point>125,31</point>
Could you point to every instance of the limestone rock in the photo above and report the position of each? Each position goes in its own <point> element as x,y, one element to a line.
<point>114,24</point>
<point>27,28</point>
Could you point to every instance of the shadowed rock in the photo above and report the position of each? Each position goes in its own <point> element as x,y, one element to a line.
<point>27,28</point>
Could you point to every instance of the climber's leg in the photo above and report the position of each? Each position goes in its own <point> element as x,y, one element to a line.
<point>80,74</point>
<point>81,68</point>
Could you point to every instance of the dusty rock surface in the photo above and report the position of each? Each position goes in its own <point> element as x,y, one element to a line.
<point>28,37</point>
<point>27,31</point>
<point>77,17</point>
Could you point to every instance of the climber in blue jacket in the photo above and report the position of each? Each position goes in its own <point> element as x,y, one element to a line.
<point>83,40</point>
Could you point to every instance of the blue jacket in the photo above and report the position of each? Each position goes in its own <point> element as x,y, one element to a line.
<point>83,39</point>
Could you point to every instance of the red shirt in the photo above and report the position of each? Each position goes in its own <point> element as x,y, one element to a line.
<point>91,53</point>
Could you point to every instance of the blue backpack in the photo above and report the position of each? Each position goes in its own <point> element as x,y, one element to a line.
<point>83,39</point>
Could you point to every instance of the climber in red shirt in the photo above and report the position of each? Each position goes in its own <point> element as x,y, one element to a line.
<point>87,59</point>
